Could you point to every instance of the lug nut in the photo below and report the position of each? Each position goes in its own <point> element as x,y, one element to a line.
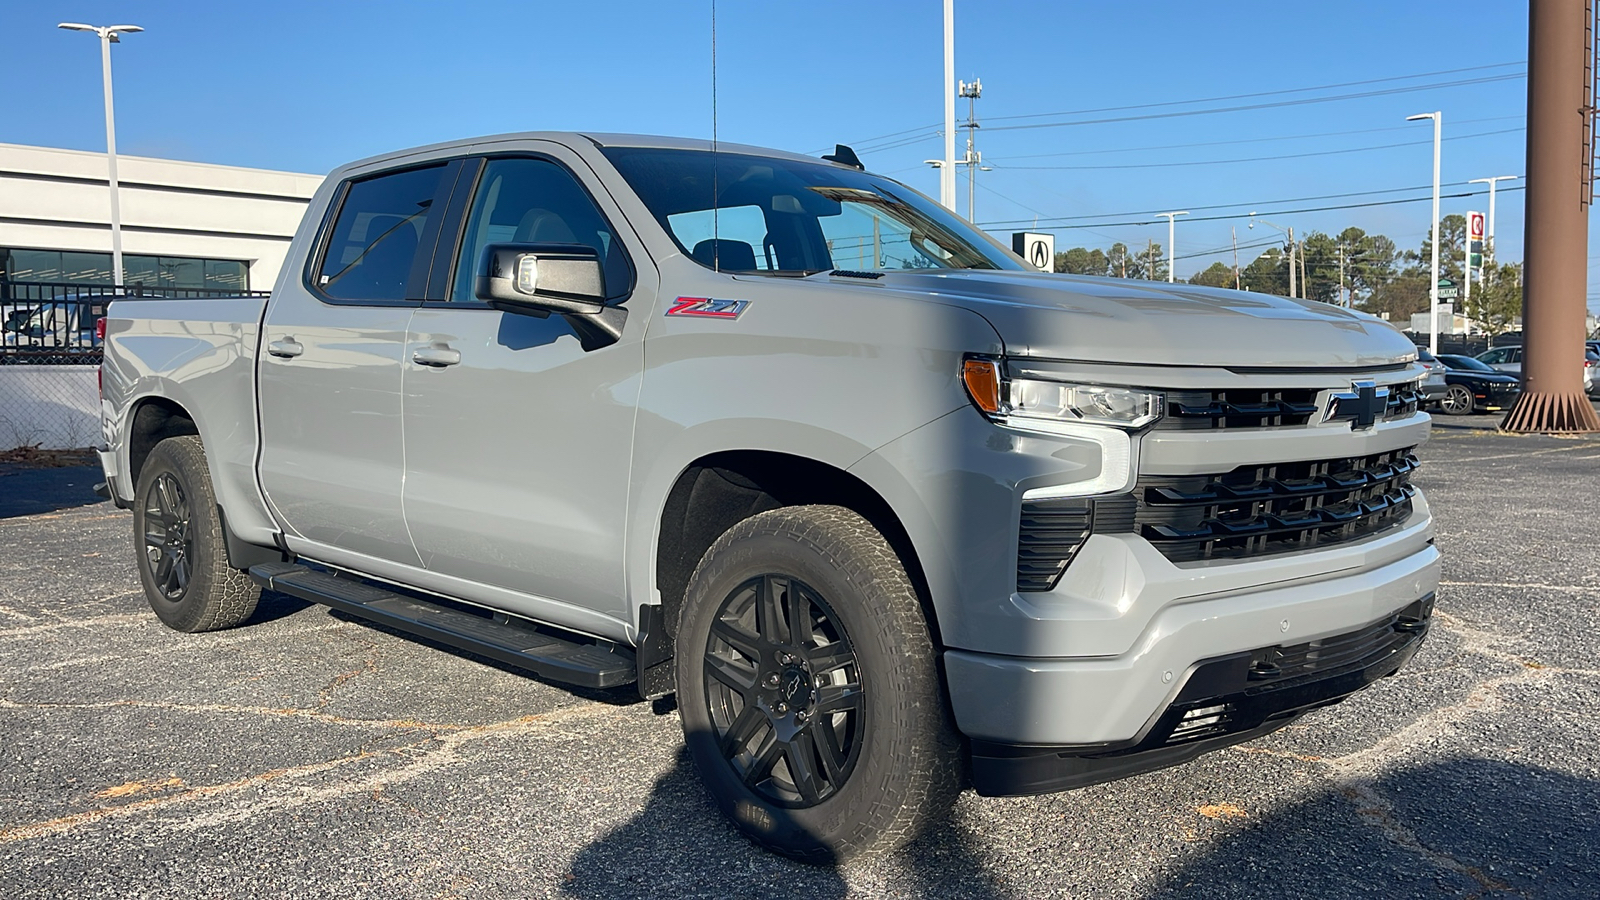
<point>781,707</point>
<point>772,680</point>
<point>821,681</point>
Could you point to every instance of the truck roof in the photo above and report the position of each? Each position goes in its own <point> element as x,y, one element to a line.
<point>599,139</point>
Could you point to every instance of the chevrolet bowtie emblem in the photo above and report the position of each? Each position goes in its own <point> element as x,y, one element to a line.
<point>1362,404</point>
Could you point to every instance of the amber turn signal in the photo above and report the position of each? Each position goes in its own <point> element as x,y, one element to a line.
<point>982,377</point>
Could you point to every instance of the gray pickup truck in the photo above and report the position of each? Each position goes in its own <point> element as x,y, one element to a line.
<point>889,512</point>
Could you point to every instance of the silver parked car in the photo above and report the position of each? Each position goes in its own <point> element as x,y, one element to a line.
<point>1433,385</point>
<point>1509,360</point>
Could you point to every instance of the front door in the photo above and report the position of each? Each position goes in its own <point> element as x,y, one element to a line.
<point>330,373</point>
<point>518,454</point>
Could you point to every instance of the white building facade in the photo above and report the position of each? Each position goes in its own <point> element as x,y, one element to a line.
<point>185,226</point>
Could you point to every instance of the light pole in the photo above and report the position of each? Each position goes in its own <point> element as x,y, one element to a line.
<point>108,36</point>
<point>1490,236</point>
<point>1433,284</point>
<point>1289,232</point>
<point>1172,249</point>
<point>947,171</point>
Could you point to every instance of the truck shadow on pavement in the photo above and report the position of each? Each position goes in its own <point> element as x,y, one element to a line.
<point>681,845</point>
<point>29,491</point>
<point>1459,827</point>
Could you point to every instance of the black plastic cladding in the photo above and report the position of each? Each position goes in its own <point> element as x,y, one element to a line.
<point>1279,408</point>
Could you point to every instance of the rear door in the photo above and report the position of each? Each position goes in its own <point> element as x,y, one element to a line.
<point>329,371</point>
<point>518,452</point>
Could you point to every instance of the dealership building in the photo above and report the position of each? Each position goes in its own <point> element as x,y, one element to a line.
<point>185,226</point>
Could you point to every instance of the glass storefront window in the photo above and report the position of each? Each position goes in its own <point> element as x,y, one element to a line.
<point>77,267</point>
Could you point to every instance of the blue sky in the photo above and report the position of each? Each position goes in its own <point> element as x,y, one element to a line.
<point>307,85</point>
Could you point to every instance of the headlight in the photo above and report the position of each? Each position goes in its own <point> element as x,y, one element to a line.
<point>1025,400</point>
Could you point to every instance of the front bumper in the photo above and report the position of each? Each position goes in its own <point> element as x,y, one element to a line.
<point>1140,629</point>
<point>1225,701</point>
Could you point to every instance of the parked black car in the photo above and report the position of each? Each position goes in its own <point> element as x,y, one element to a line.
<point>1474,386</point>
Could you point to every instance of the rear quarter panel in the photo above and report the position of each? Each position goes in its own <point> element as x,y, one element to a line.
<point>200,355</point>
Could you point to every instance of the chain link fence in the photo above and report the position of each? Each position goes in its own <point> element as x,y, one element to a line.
<point>50,359</point>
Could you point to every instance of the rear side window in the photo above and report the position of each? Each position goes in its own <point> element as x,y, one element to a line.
<point>375,239</point>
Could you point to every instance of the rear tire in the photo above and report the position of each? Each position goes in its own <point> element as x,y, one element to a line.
<point>1457,401</point>
<point>809,690</point>
<point>182,555</point>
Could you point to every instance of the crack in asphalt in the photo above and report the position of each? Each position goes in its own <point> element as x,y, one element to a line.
<point>286,712</point>
<point>1354,774</point>
<point>279,789</point>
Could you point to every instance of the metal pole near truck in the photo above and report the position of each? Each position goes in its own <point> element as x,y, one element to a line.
<point>947,171</point>
<point>1560,146</point>
<point>108,36</point>
<point>1433,257</point>
<point>1172,246</point>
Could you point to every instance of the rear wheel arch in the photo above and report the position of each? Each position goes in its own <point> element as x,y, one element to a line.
<point>151,421</point>
<point>720,490</point>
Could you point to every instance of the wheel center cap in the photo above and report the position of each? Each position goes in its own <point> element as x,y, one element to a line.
<point>794,686</point>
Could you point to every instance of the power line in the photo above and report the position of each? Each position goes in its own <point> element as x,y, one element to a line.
<point>1279,212</point>
<point>1249,159</point>
<point>1274,105</point>
<point>864,142</point>
<point>1252,204</point>
<point>1260,140</point>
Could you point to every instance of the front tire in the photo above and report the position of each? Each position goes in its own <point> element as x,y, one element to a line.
<point>809,690</point>
<point>183,559</point>
<point>1457,401</point>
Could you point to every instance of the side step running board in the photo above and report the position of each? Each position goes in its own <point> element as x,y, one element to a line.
<point>559,659</point>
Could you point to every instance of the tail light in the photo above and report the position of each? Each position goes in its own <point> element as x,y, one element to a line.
<point>100,329</point>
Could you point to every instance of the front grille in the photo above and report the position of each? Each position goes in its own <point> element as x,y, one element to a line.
<point>1260,510</point>
<point>1259,408</point>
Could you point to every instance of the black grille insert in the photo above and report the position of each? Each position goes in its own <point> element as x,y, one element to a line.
<point>1258,408</point>
<point>1260,510</point>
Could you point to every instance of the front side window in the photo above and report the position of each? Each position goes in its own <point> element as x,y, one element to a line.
<point>535,201</point>
<point>377,234</point>
<point>780,216</point>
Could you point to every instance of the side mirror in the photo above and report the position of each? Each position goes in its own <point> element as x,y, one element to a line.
<point>540,279</point>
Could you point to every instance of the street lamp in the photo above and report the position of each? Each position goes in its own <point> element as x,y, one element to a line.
<point>1172,249</point>
<point>1490,236</point>
<point>1433,285</point>
<point>1289,232</point>
<point>108,36</point>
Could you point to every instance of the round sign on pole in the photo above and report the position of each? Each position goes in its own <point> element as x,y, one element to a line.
<point>1038,250</point>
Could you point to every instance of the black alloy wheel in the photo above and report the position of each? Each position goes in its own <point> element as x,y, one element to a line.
<point>1457,400</point>
<point>181,547</point>
<point>784,691</point>
<point>168,539</point>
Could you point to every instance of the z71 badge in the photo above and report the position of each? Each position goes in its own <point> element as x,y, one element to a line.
<point>708,308</point>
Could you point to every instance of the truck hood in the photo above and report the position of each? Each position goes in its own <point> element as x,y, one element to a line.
<point>1115,320</point>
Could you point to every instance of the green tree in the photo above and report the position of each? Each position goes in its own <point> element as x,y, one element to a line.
<point>1498,301</point>
<point>1267,273</point>
<point>1081,261</point>
<point>1117,261</point>
<point>1399,298</point>
<point>1321,267</point>
<point>1452,235</point>
<point>1216,275</point>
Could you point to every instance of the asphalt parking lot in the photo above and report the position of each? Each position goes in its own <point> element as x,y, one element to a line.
<point>311,755</point>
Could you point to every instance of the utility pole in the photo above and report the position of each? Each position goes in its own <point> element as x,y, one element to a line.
<point>109,35</point>
<point>1289,232</point>
<point>1489,237</point>
<point>974,159</point>
<point>1305,280</point>
<point>1560,150</point>
<point>1150,254</point>
<point>1342,301</point>
<point>1172,245</point>
<point>1433,283</point>
<point>947,172</point>
<point>1234,230</point>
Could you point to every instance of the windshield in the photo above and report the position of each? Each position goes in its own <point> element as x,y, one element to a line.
<point>788,217</point>
<point>1468,363</point>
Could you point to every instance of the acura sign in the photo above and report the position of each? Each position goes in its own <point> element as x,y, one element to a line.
<point>1038,250</point>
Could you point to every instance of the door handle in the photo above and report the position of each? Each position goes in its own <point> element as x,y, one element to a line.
<point>436,357</point>
<point>287,348</point>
